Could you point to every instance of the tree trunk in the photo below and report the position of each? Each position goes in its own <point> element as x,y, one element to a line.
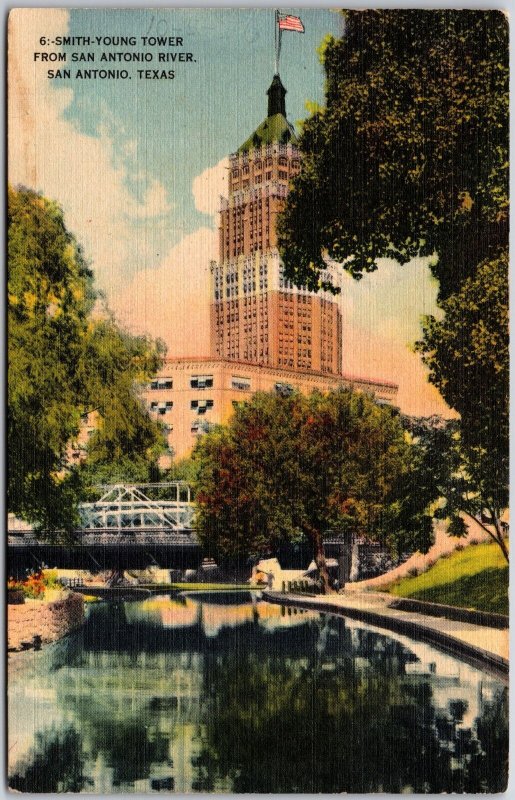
<point>497,536</point>
<point>319,556</point>
<point>500,537</point>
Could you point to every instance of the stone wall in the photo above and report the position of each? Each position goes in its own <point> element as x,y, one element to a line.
<point>39,622</point>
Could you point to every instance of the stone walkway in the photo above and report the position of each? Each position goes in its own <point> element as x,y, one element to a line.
<point>479,643</point>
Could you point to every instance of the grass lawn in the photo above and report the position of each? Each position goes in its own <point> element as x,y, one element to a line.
<point>475,577</point>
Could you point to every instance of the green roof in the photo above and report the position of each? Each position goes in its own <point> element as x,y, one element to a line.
<point>273,129</point>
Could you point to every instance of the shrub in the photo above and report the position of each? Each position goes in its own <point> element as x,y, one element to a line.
<point>35,584</point>
<point>413,572</point>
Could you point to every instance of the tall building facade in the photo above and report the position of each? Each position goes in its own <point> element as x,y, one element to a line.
<point>266,334</point>
<point>256,315</point>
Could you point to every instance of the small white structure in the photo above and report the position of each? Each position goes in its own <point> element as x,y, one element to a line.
<point>271,571</point>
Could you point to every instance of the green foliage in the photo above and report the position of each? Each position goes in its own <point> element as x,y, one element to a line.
<point>467,353</point>
<point>290,465</point>
<point>50,296</point>
<point>114,365</point>
<point>409,158</point>
<point>475,577</point>
<point>468,480</point>
<point>410,155</point>
<point>64,362</point>
<point>183,470</point>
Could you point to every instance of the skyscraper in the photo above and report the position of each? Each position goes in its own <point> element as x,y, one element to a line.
<point>257,316</point>
<point>266,334</point>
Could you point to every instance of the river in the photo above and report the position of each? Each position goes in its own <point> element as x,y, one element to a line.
<point>227,693</point>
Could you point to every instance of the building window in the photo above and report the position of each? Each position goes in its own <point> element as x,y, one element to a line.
<point>161,407</point>
<point>283,389</point>
<point>242,384</point>
<point>202,381</point>
<point>161,383</point>
<point>201,406</point>
<point>201,426</point>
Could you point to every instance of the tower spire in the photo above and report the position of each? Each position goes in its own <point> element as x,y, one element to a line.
<point>276,97</point>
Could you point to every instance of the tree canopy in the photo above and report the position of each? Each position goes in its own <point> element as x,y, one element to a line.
<point>467,352</point>
<point>409,156</point>
<point>285,468</point>
<point>64,360</point>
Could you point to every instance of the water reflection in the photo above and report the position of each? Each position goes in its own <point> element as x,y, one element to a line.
<point>207,695</point>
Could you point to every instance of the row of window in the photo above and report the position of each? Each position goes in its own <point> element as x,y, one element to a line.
<point>282,161</point>
<point>196,382</point>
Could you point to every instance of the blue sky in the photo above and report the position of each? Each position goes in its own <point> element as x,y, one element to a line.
<point>184,126</point>
<point>138,167</point>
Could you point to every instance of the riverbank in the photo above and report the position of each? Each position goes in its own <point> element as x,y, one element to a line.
<point>474,577</point>
<point>455,636</point>
<point>37,622</point>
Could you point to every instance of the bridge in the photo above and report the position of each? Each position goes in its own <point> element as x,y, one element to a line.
<point>128,527</point>
<point>132,527</point>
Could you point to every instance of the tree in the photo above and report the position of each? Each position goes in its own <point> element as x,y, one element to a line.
<point>114,365</point>
<point>63,362</point>
<point>409,158</point>
<point>469,347</point>
<point>50,296</point>
<point>292,467</point>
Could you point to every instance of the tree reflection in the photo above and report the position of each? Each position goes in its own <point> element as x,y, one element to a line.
<point>315,704</point>
<point>54,764</point>
<point>326,725</point>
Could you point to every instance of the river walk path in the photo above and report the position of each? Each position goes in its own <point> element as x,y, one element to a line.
<point>479,644</point>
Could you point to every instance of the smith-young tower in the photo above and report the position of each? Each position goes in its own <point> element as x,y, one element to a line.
<point>256,315</point>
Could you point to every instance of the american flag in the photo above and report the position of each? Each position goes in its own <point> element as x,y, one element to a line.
<point>289,23</point>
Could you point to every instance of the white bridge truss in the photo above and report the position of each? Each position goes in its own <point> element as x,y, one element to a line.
<point>124,507</point>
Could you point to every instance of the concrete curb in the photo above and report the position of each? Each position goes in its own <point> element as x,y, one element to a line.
<point>475,656</point>
<point>486,618</point>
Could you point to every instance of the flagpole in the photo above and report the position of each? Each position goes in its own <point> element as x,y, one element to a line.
<point>277,42</point>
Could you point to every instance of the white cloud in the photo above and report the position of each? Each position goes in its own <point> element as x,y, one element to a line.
<point>123,233</point>
<point>83,173</point>
<point>381,322</point>
<point>171,301</point>
<point>155,203</point>
<point>209,186</point>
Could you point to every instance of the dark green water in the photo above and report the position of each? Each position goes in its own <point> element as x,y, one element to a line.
<point>243,696</point>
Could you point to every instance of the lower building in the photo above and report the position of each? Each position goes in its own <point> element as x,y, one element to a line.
<point>189,396</point>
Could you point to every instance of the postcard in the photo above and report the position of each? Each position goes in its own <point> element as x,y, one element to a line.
<point>258,506</point>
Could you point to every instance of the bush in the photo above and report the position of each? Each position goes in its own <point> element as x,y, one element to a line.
<point>35,584</point>
<point>459,547</point>
<point>413,572</point>
<point>50,579</point>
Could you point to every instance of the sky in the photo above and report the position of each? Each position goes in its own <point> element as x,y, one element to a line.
<point>138,166</point>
